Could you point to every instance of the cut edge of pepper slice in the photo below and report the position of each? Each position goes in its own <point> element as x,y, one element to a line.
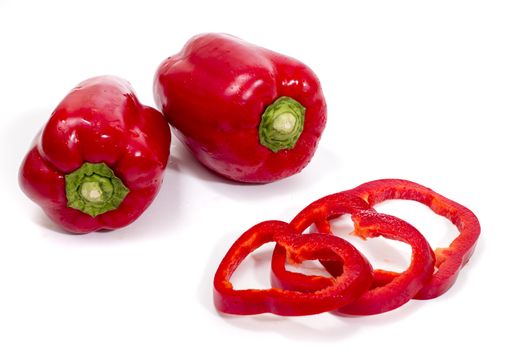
<point>340,203</point>
<point>355,279</point>
<point>449,260</point>
<point>386,295</point>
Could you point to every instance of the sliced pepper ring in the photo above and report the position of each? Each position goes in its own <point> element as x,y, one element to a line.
<point>381,297</point>
<point>356,276</point>
<point>326,207</point>
<point>450,260</point>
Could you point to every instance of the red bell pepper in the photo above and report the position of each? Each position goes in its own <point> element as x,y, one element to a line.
<point>383,296</point>
<point>354,279</point>
<point>245,112</point>
<point>99,161</point>
<point>450,260</point>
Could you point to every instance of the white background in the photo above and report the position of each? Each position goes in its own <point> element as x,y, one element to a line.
<point>427,91</point>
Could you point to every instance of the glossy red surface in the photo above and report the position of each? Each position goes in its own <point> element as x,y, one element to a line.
<point>214,92</point>
<point>100,120</point>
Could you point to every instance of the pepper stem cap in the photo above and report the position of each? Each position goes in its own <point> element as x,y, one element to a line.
<point>94,189</point>
<point>281,124</point>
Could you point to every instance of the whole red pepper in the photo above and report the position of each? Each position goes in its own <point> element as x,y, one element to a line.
<point>245,112</point>
<point>99,161</point>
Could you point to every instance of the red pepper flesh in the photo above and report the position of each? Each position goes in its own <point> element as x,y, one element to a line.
<point>382,297</point>
<point>99,161</point>
<point>323,208</point>
<point>450,260</point>
<point>245,112</point>
<point>354,279</point>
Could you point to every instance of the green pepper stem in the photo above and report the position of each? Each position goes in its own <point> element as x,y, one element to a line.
<point>281,124</point>
<point>94,189</point>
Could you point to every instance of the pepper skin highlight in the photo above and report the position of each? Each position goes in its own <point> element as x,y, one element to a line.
<point>99,161</point>
<point>245,112</point>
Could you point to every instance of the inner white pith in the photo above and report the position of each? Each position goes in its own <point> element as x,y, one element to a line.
<point>91,191</point>
<point>284,123</point>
